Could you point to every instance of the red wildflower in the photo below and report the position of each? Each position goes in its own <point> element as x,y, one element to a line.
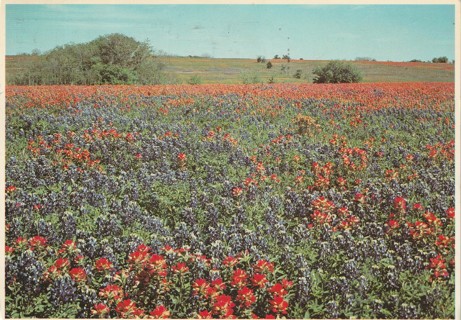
<point>259,280</point>
<point>359,198</point>
<point>168,249</point>
<point>419,229</point>
<point>218,284</point>
<point>103,264</point>
<point>264,266</point>
<point>111,292</point>
<point>237,191</point>
<point>343,211</point>
<point>77,274</point>
<point>286,283</point>
<point>320,217</point>
<point>100,310</point>
<point>445,242</point>
<point>438,264</point>
<point>239,278</point>
<point>128,309</point>
<point>223,306</point>
<point>278,290</point>
<point>279,305</point>
<point>246,296</point>
<point>157,264</point>
<point>62,263</point>
<point>160,312</point>
<point>8,250</point>
<point>341,182</point>
<point>200,287</point>
<point>322,204</point>
<point>69,246</point>
<point>79,259</point>
<point>205,315</point>
<point>180,268</point>
<point>138,257</point>
<point>418,206</point>
<point>37,242</point>
<point>432,219</point>
<point>230,261</point>
<point>450,213</point>
<point>400,204</point>
<point>10,189</point>
<point>352,220</point>
<point>249,181</point>
<point>393,224</point>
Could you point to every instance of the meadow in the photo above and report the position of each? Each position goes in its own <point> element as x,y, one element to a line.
<point>183,70</point>
<point>224,201</point>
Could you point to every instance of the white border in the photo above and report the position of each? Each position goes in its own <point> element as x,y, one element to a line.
<point>457,4</point>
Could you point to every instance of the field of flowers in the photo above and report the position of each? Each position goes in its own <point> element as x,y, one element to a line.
<point>224,201</point>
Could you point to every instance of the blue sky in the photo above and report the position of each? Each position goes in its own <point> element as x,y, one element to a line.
<point>383,32</point>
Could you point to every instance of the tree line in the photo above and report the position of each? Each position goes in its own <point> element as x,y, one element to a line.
<point>109,59</point>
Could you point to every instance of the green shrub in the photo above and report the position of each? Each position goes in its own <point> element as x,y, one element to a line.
<point>337,72</point>
<point>298,74</point>
<point>440,60</point>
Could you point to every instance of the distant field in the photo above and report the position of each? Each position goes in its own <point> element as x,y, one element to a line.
<point>211,70</point>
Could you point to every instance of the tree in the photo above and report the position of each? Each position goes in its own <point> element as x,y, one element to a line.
<point>109,59</point>
<point>261,59</point>
<point>269,65</point>
<point>440,60</point>
<point>286,57</point>
<point>336,72</point>
<point>298,74</point>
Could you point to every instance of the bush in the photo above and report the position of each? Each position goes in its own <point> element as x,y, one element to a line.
<point>337,72</point>
<point>261,59</point>
<point>109,59</point>
<point>269,65</point>
<point>440,60</point>
<point>298,74</point>
<point>365,59</point>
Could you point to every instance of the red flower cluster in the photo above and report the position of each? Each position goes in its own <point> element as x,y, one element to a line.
<point>439,266</point>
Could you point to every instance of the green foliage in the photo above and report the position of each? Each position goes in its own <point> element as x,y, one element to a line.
<point>364,59</point>
<point>440,60</point>
<point>261,59</point>
<point>337,72</point>
<point>109,59</point>
<point>298,74</point>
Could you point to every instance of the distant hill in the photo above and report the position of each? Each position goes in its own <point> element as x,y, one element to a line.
<point>219,70</point>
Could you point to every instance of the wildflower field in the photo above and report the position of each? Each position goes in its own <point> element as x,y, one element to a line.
<point>224,201</point>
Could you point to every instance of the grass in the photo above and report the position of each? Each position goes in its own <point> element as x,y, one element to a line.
<point>233,71</point>
<point>239,70</point>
